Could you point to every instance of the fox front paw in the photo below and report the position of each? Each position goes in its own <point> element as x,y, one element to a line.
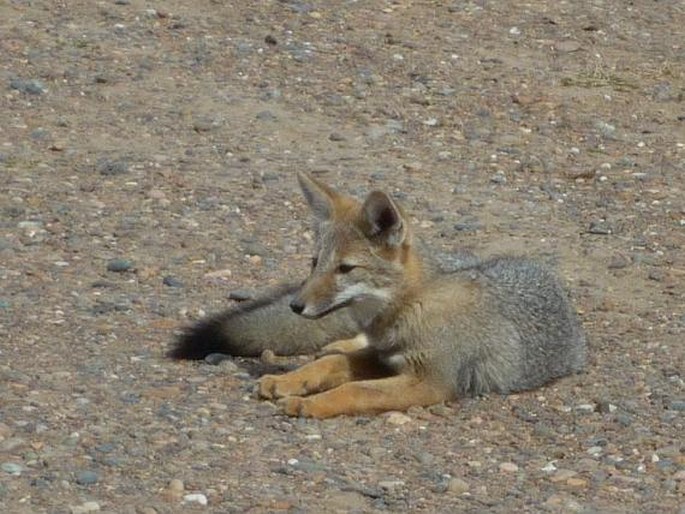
<point>295,406</point>
<point>279,386</point>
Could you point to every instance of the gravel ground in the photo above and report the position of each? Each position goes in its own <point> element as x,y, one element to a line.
<point>147,152</point>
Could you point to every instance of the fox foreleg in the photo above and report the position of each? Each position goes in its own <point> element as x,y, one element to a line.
<point>398,392</point>
<point>322,374</point>
<point>355,344</point>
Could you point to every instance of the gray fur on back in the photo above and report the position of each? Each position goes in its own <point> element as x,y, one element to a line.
<point>519,333</point>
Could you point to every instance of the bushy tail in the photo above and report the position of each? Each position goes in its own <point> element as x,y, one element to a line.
<point>266,323</point>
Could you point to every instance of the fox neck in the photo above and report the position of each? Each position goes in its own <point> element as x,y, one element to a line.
<point>377,316</point>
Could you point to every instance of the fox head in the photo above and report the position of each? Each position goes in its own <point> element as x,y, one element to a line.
<point>362,256</point>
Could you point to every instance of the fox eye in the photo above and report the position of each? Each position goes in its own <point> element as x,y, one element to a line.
<point>345,268</point>
<point>315,261</point>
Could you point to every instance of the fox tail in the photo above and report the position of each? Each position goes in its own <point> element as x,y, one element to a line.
<point>266,323</point>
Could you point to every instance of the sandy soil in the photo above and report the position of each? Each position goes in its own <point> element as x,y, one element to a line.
<point>160,139</point>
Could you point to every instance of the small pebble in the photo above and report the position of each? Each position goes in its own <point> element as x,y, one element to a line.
<point>425,458</point>
<point>599,228</point>
<point>217,358</point>
<point>508,467</point>
<point>586,464</point>
<point>623,419</point>
<point>105,448</point>
<point>31,87</point>
<point>266,116</point>
<point>119,265</point>
<point>220,274</point>
<point>171,281</point>
<point>567,46</point>
<point>85,508</point>
<point>203,125</point>
<point>108,167</point>
<point>678,405</point>
<point>559,503</point>
<point>585,407</point>
<point>156,194</point>
<point>30,226</point>
<point>176,485</point>
<point>656,275</point>
<point>498,178</point>
<point>549,467</point>
<point>11,444</point>
<point>458,486</point>
<point>397,418</point>
<point>390,485</point>
<point>5,431</point>
<point>174,490</point>
<point>577,483</point>
<point>11,468</point>
<point>595,451</point>
<point>606,129</point>
<point>618,262</point>
<point>86,477</point>
<point>562,475</point>
<point>671,451</point>
<point>195,498</point>
<point>605,407</point>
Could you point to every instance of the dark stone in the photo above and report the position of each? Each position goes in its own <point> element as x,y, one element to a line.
<point>171,281</point>
<point>119,265</point>
<point>216,358</point>
<point>599,228</point>
<point>108,167</point>
<point>31,87</point>
<point>86,477</point>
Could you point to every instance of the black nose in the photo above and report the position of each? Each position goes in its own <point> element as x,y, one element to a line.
<point>297,307</point>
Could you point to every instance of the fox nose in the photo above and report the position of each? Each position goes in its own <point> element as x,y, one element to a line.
<point>297,306</point>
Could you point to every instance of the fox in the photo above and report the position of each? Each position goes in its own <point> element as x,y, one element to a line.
<point>393,329</point>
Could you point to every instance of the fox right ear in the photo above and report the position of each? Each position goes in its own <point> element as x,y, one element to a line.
<point>319,196</point>
<point>384,220</point>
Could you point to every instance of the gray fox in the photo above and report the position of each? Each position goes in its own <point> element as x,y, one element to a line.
<point>403,332</point>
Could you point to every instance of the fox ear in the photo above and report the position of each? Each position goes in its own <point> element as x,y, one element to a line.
<point>319,196</point>
<point>383,219</point>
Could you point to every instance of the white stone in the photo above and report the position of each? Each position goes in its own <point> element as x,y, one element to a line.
<point>195,498</point>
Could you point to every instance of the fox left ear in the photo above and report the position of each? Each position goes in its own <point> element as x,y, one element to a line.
<point>319,196</point>
<point>384,219</point>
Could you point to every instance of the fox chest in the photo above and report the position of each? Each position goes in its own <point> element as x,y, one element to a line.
<point>397,351</point>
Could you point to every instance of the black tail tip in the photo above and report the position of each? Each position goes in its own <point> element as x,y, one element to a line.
<point>184,348</point>
<point>198,341</point>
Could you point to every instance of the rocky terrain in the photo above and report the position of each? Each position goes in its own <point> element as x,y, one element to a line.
<point>147,158</point>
